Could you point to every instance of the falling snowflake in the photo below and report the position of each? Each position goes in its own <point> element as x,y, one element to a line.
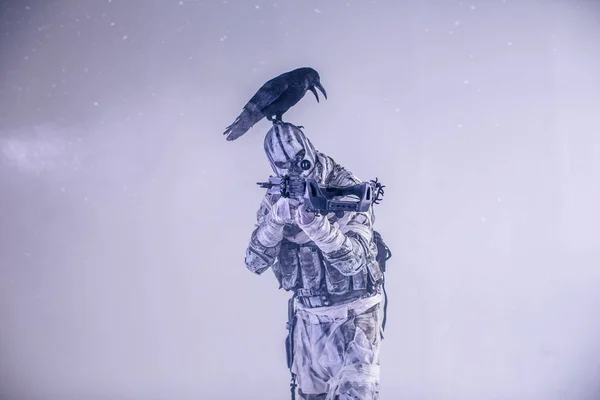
<point>223,38</point>
<point>483,219</point>
<point>459,126</point>
<point>125,37</point>
<point>472,7</point>
<point>509,43</point>
<point>96,103</point>
<point>456,23</point>
<point>466,81</point>
<point>317,11</point>
<point>257,6</point>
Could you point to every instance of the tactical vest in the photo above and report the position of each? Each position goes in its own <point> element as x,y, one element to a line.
<point>303,269</point>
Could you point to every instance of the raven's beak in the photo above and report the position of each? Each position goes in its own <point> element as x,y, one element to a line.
<point>321,88</point>
<point>312,89</point>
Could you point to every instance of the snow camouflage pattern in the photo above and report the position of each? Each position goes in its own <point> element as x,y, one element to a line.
<point>336,342</point>
<point>336,350</point>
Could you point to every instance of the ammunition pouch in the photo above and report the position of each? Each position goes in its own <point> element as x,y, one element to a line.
<point>286,267</point>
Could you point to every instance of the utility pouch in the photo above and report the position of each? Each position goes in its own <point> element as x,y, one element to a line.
<point>288,265</point>
<point>311,267</point>
<point>359,280</point>
<point>337,283</point>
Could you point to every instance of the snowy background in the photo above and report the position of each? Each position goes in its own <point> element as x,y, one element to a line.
<point>124,214</point>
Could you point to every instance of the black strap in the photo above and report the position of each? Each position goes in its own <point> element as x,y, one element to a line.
<point>384,305</point>
<point>388,255</point>
<point>290,343</point>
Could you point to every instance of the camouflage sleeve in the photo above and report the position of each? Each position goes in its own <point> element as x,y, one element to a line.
<point>347,245</point>
<point>258,256</point>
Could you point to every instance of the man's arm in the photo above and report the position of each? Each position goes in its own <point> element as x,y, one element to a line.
<point>347,247</point>
<point>258,256</point>
<point>266,237</point>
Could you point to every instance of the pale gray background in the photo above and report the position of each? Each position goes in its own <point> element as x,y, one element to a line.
<point>125,214</point>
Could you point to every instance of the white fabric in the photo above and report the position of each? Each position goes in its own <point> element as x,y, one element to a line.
<point>270,233</point>
<point>325,235</point>
<point>336,349</point>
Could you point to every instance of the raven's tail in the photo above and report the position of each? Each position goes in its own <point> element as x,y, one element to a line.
<point>242,124</point>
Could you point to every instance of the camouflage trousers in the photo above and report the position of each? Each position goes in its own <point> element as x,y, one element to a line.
<point>336,350</point>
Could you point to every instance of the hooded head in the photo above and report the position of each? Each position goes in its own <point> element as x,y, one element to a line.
<point>289,151</point>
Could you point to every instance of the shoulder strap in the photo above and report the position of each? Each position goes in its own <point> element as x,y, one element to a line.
<point>383,254</point>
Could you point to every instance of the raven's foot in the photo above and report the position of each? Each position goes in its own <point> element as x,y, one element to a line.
<point>295,126</point>
<point>278,122</point>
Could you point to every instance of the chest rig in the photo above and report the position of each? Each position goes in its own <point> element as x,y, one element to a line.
<point>301,268</point>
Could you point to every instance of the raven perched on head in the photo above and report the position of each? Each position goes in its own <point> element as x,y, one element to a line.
<point>274,98</point>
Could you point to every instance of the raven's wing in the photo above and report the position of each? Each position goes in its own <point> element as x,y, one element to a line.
<point>253,110</point>
<point>267,94</point>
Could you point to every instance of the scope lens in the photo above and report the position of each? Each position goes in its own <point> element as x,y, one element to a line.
<point>305,164</point>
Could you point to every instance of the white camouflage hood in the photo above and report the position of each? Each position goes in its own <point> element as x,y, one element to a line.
<point>286,147</point>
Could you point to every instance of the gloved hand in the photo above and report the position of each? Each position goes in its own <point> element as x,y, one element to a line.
<point>284,210</point>
<point>270,232</point>
<point>303,216</point>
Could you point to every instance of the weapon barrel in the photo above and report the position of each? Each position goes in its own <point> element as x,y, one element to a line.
<point>265,185</point>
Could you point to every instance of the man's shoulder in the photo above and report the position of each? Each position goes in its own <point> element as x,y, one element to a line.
<point>337,174</point>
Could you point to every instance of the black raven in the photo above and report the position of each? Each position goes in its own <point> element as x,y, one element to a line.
<point>274,98</point>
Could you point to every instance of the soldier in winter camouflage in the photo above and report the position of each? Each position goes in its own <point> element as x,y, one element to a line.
<point>329,263</point>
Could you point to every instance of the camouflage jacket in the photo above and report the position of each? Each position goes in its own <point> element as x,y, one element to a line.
<point>300,265</point>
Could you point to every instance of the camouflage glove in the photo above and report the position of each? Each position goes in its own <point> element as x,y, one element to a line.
<point>270,232</point>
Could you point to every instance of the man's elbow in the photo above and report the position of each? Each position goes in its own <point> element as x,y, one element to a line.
<point>255,262</point>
